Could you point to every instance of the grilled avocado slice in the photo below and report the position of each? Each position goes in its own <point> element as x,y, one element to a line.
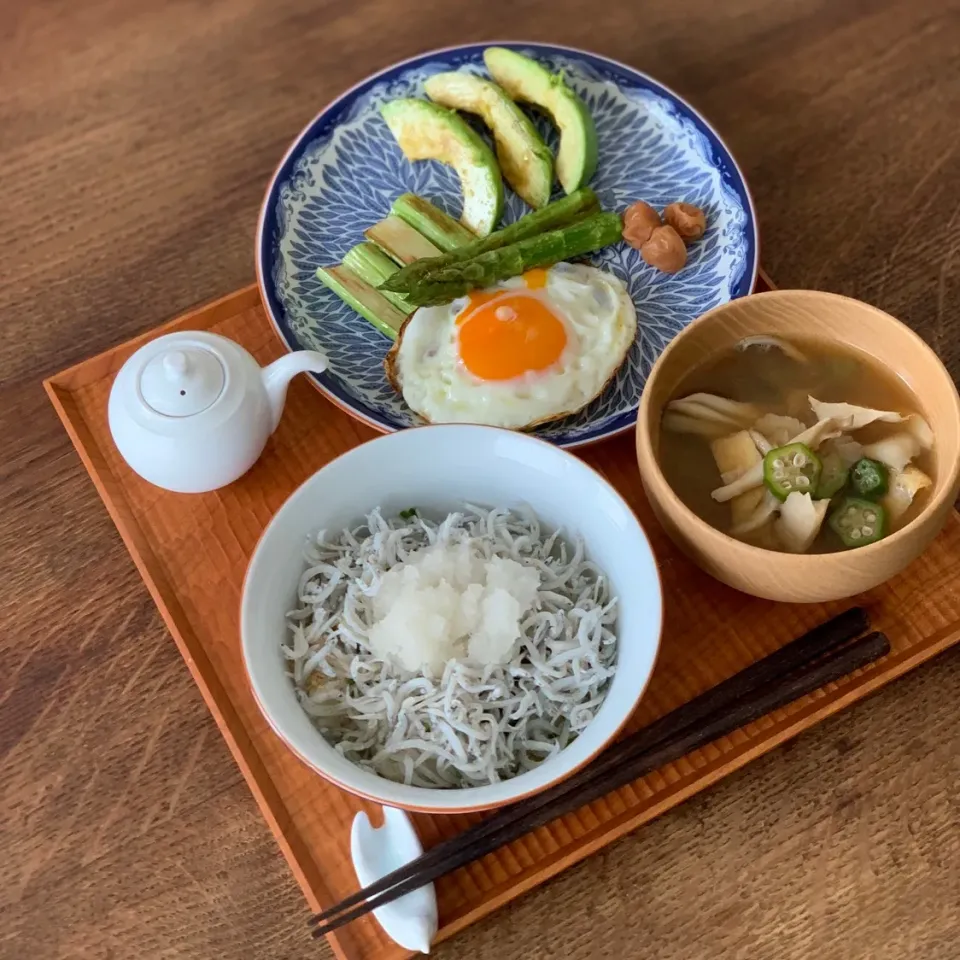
<point>524,79</point>
<point>525,160</point>
<point>426,131</point>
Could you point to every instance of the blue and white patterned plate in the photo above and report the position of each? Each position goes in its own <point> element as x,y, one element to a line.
<point>344,170</point>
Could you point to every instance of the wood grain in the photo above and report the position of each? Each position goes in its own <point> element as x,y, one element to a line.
<point>136,142</point>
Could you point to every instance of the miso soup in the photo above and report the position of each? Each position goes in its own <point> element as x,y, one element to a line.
<point>800,446</point>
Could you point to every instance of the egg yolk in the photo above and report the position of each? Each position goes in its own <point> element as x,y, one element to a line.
<point>510,334</point>
<point>535,279</point>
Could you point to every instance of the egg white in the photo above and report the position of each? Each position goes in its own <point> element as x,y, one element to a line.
<point>600,323</point>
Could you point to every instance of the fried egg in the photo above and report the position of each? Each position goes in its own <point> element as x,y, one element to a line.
<point>532,349</point>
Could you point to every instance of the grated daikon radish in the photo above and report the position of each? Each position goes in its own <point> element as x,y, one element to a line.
<point>448,601</point>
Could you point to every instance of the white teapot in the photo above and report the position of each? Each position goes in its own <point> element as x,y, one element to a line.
<point>192,411</point>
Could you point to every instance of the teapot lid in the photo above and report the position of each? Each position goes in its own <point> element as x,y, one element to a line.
<point>182,381</point>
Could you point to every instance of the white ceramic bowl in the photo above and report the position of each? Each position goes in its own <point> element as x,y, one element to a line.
<point>437,468</point>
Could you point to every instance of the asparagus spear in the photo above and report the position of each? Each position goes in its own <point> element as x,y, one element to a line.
<point>547,218</point>
<point>398,239</point>
<point>373,266</point>
<point>572,240</point>
<point>367,301</point>
<point>430,221</point>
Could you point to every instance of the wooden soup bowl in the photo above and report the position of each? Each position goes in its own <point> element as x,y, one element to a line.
<point>809,314</point>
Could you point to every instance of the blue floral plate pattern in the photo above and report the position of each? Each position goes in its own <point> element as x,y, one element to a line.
<point>344,170</point>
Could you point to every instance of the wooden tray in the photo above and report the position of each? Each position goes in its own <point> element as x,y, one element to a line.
<point>192,552</point>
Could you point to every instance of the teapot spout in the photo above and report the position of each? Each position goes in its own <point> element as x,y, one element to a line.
<point>277,376</point>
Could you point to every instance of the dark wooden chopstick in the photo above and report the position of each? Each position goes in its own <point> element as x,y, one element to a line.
<point>791,671</point>
<point>852,656</point>
<point>778,693</point>
<point>816,642</point>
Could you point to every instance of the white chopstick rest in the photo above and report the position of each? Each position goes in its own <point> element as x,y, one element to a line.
<point>410,921</point>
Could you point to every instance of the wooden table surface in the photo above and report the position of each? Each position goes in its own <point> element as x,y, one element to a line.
<point>135,142</point>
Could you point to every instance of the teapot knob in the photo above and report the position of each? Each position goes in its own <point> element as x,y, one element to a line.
<point>175,364</point>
